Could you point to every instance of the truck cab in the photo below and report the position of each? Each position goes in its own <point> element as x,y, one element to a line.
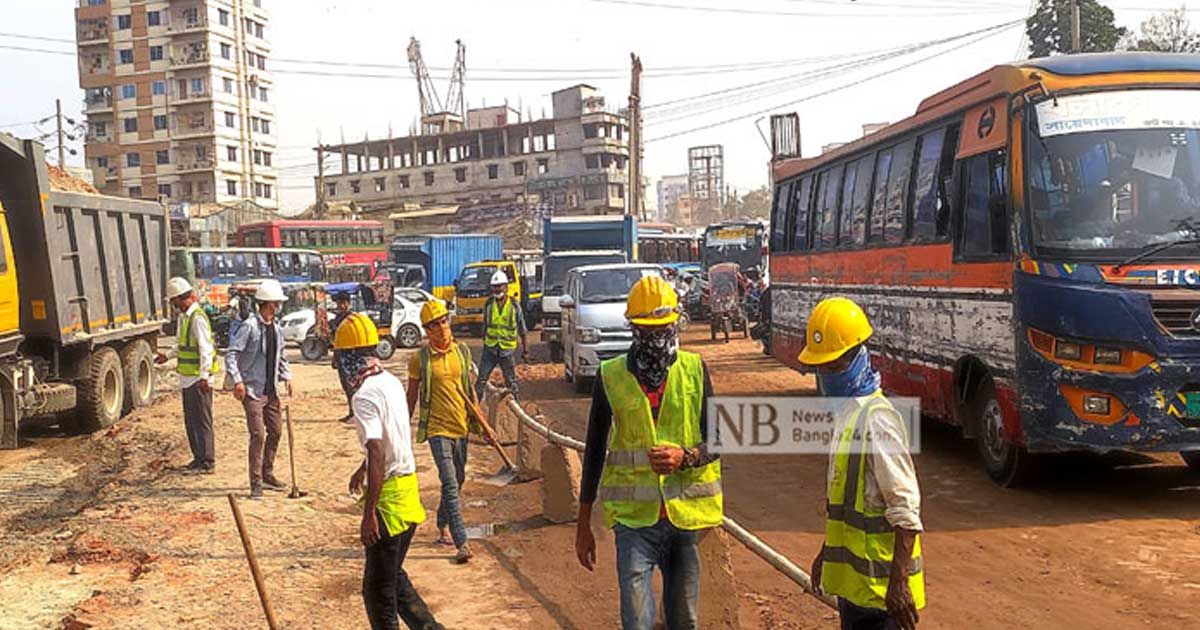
<point>473,287</point>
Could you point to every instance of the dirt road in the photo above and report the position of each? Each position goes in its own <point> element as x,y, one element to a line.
<point>101,531</point>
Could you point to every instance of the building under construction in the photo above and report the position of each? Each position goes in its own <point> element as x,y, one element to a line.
<point>706,181</point>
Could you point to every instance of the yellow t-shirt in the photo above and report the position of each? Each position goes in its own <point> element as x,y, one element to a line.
<point>447,401</point>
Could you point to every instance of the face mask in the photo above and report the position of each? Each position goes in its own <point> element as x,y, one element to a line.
<point>355,366</point>
<point>652,354</point>
<point>859,379</point>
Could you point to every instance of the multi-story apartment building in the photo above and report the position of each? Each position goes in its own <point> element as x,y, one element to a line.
<point>178,99</point>
<point>670,188</point>
<point>573,163</point>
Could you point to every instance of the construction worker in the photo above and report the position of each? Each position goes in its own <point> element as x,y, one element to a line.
<point>440,376</point>
<point>341,301</point>
<point>256,364</point>
<point>197,365</point>
<point>503,323</point>
<point>871,558</point>
<point>392,502</point>
<point>658,482</point>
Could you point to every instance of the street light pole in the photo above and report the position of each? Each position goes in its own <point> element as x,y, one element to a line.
<point>1076,34</point>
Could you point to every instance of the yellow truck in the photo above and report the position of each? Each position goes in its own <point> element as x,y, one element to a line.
<point>82,278</point>
<point>473,287</point>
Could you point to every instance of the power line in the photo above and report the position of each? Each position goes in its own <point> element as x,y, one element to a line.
<point>809,14</point>
<point>37,50</point>
<point>39,38</point>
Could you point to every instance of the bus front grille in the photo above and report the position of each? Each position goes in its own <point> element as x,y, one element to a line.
<point>1178,312</point>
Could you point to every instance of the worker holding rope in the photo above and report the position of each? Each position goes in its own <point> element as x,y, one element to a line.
<point>871,559</point>
<point>659,484</point>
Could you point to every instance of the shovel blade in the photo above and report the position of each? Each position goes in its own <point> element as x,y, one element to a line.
<point>503,477</point>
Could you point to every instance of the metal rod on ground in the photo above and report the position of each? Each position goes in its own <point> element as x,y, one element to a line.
<point>749,540</point>
<point>253,560</point>
<point>296,493</point>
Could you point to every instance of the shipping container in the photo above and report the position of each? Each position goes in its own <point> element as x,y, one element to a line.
<point>442,256</point>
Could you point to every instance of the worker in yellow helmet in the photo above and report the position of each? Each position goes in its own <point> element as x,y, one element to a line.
<point>439,375</point>
<point>871,559</point>
<point>646,453</point>
<point>391,502</point>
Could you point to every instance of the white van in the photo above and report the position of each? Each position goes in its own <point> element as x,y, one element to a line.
<point>594,327</point>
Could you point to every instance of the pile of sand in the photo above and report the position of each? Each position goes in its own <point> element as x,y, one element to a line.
<point>62,180</point>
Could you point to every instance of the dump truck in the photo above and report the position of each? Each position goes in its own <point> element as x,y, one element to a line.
<point>82,282</point>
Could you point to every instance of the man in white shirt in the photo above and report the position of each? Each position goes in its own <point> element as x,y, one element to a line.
<point>392,500</point>
<point>197,367</point>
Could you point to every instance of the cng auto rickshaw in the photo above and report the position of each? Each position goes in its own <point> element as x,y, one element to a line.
<point>724,302</point>
<point>374,299</point>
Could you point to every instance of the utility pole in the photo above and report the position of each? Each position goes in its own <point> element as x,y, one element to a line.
<point>1076,35</point>
<point>62,136</point>
<point>634,196</point>
<point>320,181</point>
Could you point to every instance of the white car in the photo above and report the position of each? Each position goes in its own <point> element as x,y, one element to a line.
<point>406,317</point>
<point>297,324</point>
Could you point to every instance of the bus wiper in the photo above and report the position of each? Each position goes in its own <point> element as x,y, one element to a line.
<point>1151,250</point>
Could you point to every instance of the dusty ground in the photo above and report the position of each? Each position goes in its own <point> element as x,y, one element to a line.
<point>101,531</point>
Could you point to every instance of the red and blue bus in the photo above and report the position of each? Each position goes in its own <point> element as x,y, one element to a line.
<point>1027,246</point>
<point>343,243</point>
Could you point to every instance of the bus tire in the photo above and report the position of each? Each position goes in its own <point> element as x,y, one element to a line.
<point>138,366</point>
<point>101,392</point>
<point>1009,465</point>
<point>1192,459</point>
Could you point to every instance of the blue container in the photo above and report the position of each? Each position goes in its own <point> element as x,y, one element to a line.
<point>444,256</point>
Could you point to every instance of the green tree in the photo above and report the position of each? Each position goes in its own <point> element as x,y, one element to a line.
<point>1168,32</point>
<point>756,203</point>
<point>1049,28</point>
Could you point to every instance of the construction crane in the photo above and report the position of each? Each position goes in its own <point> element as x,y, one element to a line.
<point>430,104</point>
<point>436,115</point>
<point>454,98</point>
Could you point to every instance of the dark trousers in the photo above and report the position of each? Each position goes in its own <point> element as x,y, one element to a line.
<point>197,420</point>
<point>387,591</point>
<point>450,455</point>
<point>858,618</point>
<point>265,424</point>
<point>492,357</point>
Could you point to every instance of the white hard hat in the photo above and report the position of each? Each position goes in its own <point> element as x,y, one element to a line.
<point>270,291</point>
<point>177,287</point>
<point>499,278</point>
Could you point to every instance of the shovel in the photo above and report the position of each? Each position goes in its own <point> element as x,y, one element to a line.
<point>506,474</point>
<point>296,492</point>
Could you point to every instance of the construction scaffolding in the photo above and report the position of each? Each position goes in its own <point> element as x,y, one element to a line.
<point>706,181</point>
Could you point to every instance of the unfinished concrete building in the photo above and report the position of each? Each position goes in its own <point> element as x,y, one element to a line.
<point>573,163</point>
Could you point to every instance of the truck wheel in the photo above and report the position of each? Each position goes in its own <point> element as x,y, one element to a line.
<point>409,336</point>
<point>386,348</point>
<point>101,392</point>
<point>1008,464</point>
<point>139,373</point>
<point>556,352</point>
<point>313,348</point>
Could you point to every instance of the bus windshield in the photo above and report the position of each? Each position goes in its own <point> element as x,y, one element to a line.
<point>556,268</point>
<point>736,243</point>
<point>1114,172</point>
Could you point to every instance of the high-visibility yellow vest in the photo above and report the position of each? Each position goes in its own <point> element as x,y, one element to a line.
<point>188,361</point>
<point>426,397</point>
<point>502,326</point>
<point>631,491</point>
<point>859,541</point>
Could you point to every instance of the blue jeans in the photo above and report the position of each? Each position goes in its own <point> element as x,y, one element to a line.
<point>674,551</point>
<point>492,357</point>
<point>450,455</point>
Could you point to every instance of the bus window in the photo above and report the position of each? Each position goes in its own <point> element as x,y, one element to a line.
<point>254,238</point>
<point>799,210</point>
<point>287,237</point>
<point>898,185</point>
<point>846,211</point>
<point>283,264</point>
<point>316,269</point>
<point>883,167</point>
<point>925,196</point>
<point>206,266</point>
<point>862,199</point>
<point>983,228</point>
<point>783,192</point>
<point>825,214</point>
<point>264,265</point>
<point>237,264</point>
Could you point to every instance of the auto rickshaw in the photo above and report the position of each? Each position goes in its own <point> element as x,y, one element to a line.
<point>375,299</point>
<point>724,302</point>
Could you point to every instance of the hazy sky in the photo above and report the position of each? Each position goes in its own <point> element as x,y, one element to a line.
<point>522,50</point>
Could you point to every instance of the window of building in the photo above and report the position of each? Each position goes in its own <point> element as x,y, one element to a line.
<point>254,123</point>
<point>460,176</point>
<point>133,159</point>
<point>135,192</point>
<point>130,125</point>
<point>262,94</point>
<point>247,25</point>
<point>266,126</point>
<point>226,51</point>
<point>101,128</point>
<point>249,59</point>
<point>257,156</point>
<point>153,18</point>
<point>197,86</point>
<point>380,184</point>
<point>164,190</point>
<point>230,119</point>
<point>223,17</point>
<point>124,22</point>
<point>518,169</point>
<point>355,186</point>
<point>589,131</point>
<point>162,156</point>
<point>331,189</point>
<point>403,182</point>
<point>102,161</point>
<point>262,190</point>
<point>128,90</point>
<point>156,53</point>
<point>158,88</point>
<point>160,122</point>
<point>125,55</point>
<point>983,229</point>
<point>231,153</point>
<point>258,30</point>
<point>543,165</point>
<point>591,192</point>
<point>591,161</point>
<point>616,190</point>
<point>96,3</point>
<point>227,85</point>
<point>231,186</point>
<point>266,158</point>
<point>493,171</point>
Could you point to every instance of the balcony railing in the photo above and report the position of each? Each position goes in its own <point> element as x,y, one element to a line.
<point>93,66</point>
<point>93,33</point>
<point>98,102</point>
<point>181,23</point>
<point>103,137</point>
<point>189,55</point>
<point>192,164</point>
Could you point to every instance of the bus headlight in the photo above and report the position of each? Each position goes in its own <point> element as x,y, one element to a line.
<point>1108,356</point>
<point>1068,350</point>
<point>1097,404</point>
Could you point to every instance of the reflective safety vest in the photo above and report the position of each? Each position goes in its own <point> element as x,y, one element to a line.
<point>859,541</point>
<point>188,361</point>
<point>631,491</point>
<point>464,359</point>
<point>502,326</point>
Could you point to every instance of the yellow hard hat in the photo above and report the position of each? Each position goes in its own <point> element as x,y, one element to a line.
<point>356,331</point>
<point>836,325</point>
<point>433,309</point>
<point>652,302</point>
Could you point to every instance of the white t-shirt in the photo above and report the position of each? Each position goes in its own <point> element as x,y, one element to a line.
<point>381,413</point>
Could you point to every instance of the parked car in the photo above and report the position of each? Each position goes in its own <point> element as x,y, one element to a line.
<point>593,315</point>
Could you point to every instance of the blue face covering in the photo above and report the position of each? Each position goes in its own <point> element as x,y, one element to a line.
<point>860,379</point>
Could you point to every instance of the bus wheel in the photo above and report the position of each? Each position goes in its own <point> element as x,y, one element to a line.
<point>1006,463</point>
<point>1192,459</point>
